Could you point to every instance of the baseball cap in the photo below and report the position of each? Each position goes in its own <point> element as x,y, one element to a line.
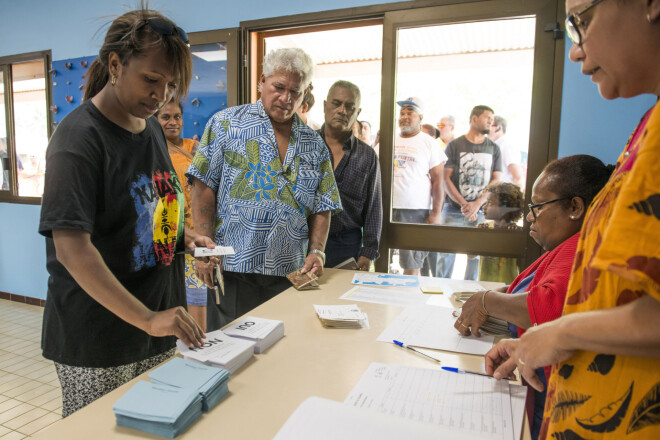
<point>414,102</point>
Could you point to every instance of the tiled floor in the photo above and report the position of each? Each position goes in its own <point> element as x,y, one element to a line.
<point>30,394</point>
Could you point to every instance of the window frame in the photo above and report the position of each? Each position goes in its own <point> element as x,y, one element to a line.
<point>545,112</point>
<point>11,196</point>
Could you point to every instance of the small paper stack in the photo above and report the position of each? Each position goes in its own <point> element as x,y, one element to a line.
<point>158,409</point>
<point>348,316</point>
<point>303,281</point>
<point>219,350</point>
<point>496,326</point>
<point>209,382</point>
<point>263,332</point>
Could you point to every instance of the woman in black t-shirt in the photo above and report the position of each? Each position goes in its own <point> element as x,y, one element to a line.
<point>112,213</point>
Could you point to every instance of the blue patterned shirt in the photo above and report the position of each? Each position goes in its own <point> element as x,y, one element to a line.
<point>262,205</point>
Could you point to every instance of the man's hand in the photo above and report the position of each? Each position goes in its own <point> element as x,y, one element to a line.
<point>313,264</point>
<point>204,269</point>
<point>472,316</point>
<point>364,263</point>
<point>434,218</point>
<point>470,209</point>
<point>178,322</point>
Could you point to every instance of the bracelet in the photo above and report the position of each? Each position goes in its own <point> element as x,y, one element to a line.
<point>320,253</point>
<point>483,302</point>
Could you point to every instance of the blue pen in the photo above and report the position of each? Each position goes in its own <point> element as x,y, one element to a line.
<point>402,345</point>
<point>460,371</point>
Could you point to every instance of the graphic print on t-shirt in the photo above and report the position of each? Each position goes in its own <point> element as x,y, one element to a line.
<point>404,157</point>
<point>474,174</point>
<point>159,219</point>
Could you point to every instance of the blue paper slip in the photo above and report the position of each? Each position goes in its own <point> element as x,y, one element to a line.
<point>154,402</point>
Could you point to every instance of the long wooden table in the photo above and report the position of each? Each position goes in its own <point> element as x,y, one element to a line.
<point>309,361</point>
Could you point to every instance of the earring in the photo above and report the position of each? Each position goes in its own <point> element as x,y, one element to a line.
<point>113,81</point>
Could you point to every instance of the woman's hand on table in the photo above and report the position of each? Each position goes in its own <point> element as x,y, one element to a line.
<point>472,316</point>
<point>538,347</point>
<point>175,321</point>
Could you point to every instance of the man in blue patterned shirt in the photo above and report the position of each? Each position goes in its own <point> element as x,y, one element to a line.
<point>354,232</point>
<point>263,184</point>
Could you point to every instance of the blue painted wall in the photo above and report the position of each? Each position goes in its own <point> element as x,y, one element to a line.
<point>592,125</point>
<point>69,28</point>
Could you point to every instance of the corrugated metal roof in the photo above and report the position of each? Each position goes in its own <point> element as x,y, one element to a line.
<point>365,43</point>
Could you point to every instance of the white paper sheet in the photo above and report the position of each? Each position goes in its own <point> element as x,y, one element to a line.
<point>518,397</point>
<point>217,348</point>
<point>450,286</point>
<point>465,403</point>
<point>323,419</point>
<point>433,327</point>
<point>385,280</point>
<point>389,296</point>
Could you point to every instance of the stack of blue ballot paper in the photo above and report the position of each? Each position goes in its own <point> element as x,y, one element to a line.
<point>158,409</point>
<point>209,382</point>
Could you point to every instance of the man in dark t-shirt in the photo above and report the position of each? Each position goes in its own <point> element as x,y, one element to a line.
<point>473,162</point>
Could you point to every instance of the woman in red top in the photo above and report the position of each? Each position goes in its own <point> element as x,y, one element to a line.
<point>560,198</point>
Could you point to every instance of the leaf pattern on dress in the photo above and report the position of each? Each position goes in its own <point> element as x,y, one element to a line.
<point>590,278</point>
<point>565,371</point>
<point>564,403</point>
<point>628,296</point>
<point>649,206</point>
<point>569,434</point>
<point>602,363</point>
<point>647,411</point>
<point>647,265</point>
<point>609,417</point>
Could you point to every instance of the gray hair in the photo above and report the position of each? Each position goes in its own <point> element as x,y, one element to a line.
<point>452,119</point>
<point>347,85</point>
<point>500,121</point>
<point>291,60</point>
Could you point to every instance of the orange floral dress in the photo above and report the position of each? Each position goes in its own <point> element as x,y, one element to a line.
<point>595,395</point>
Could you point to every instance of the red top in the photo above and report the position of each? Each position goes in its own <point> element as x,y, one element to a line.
<point>547,290</point>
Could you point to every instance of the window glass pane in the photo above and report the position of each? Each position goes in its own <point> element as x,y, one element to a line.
<point>208,88</point>
<point>4,158</point>
<point>30,122</point>
<point>455,266</point>
<point>448,70</point>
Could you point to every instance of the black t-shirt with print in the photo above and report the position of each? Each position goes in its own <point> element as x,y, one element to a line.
<point>473,165</point>
<point>122,189</point>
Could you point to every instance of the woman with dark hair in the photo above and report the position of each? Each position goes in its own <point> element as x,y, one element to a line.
<point>560,197</point>
<point>112,214</point>
<point>605,349</point>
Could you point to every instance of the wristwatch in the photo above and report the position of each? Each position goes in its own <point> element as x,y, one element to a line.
<point>320,253</point>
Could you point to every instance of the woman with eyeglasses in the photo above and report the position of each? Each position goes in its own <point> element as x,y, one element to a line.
<point>605,349</point>
<point>112,213</point>
<point>560,197</point>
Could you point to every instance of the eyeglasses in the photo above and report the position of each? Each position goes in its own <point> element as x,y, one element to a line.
<point>574,22</point>
<point>534,207</point>
<point>163,27</point>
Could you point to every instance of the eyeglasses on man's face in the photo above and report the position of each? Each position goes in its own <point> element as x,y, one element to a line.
<point>535,208</point>
<point>574,22</point>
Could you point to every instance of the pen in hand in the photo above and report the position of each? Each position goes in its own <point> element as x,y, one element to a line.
<point>402,345</point>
